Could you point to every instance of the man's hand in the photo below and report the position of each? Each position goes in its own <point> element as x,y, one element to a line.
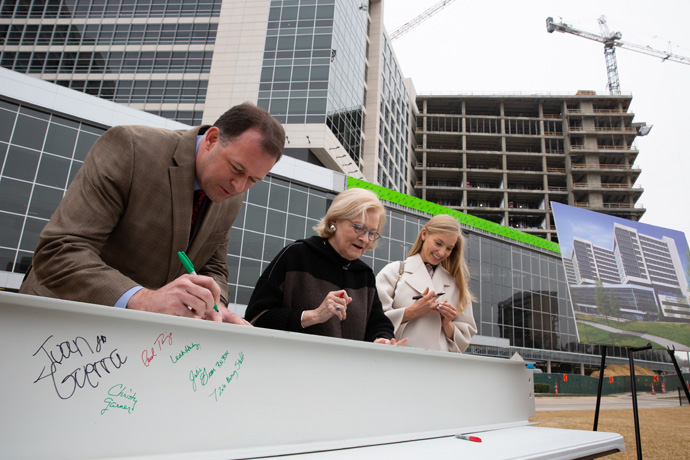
<point>232,318</point>
<point>191,296</point>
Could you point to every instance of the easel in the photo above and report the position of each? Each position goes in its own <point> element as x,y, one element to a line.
<point>671,352</point>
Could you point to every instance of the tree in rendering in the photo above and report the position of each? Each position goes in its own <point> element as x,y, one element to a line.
<point>602,300</point>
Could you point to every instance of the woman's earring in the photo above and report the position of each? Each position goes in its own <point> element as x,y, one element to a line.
<point>332,228</point>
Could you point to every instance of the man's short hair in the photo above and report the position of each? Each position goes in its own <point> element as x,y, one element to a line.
<point>248,116</point>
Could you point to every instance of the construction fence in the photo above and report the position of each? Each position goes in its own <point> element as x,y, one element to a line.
<point>584,385</point>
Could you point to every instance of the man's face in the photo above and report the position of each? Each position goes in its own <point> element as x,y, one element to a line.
<point>227,170</point>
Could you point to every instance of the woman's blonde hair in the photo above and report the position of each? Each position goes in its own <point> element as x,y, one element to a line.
<point>455,263</point>
<point>351,204</point>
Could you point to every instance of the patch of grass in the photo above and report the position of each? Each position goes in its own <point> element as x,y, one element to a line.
<point>592,335</point>
<point>677,332</point>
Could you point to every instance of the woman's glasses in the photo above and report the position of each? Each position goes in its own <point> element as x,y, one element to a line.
<point>361,229</point>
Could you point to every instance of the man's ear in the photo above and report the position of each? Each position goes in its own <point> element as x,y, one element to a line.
<point>211,137</point>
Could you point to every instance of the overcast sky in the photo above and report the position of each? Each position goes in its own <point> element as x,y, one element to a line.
<point>503,47</point>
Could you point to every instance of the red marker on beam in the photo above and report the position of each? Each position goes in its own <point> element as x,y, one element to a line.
<point>468,438</point>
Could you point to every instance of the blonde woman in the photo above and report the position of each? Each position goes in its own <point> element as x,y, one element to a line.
<point>319,286</point>
<point>427,296</point>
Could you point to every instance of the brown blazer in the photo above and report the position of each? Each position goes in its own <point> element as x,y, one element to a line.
<point>124,218</point>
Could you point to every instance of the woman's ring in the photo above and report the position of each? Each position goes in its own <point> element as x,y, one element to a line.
<point>337,308</point>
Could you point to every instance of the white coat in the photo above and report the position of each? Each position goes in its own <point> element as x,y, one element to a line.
<point>426,331</point>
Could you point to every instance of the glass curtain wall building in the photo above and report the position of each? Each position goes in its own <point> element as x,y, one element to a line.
<point>150,54</point>
<point>329,61</point>
<point>324,68</point>
<point>314,68</point>
<point>522,302</point>
<point>395,133</point>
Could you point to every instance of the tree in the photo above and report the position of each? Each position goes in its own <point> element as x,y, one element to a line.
<point>601,300</point>
<point>613,309</point>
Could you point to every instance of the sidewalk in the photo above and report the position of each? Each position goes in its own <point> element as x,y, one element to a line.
<point>621,401</point>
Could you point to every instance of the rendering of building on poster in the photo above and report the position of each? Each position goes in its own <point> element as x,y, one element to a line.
<point>628,281</point>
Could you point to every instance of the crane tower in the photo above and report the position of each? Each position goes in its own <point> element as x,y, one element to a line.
<point>611,41</point>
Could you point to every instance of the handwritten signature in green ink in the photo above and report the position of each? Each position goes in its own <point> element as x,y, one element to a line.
<point>187,349</point>
<point>204,375</point>
<point>120,397</point>
<point>218,391</point>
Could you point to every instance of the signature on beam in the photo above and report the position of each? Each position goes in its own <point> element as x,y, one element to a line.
<point>120,397</point>
<point>148,354</point>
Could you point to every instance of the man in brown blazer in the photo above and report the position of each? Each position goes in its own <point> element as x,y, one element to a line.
<point>114,238</point>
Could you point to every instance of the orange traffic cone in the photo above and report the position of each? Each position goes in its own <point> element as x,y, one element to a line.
<point>663,388</point>
<point>653,392</point>
<point>556,387</point>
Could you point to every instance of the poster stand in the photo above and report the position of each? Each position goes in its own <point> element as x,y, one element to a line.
<point>672,353</point>
<point>638,441</point>
<point>632,388</point>
<point>601,382</point>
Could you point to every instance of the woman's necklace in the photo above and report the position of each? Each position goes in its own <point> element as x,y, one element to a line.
<point>345,267</point>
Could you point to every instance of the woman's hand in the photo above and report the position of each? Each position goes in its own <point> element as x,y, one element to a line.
<point>448,313</point>
<point>427,304</point>
<point>397,343</point>
<point>335,304</point>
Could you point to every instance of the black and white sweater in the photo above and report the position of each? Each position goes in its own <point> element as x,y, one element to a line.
<point>300,277</point>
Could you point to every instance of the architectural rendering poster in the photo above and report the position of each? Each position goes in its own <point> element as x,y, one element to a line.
<point>628,281</point>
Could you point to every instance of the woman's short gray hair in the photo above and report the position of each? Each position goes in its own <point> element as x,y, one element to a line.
<point>351,204</point>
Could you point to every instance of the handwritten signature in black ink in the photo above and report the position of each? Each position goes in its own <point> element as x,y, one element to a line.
<point>65,378</point>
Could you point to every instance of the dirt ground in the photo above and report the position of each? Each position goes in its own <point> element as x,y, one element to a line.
<point>614,370</point>
<point>665,432</point>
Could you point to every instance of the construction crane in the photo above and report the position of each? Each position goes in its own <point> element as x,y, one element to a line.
<point>419,19</point>
<point>611,41</point>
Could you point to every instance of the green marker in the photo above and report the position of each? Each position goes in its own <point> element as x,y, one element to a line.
<point>187,264</point>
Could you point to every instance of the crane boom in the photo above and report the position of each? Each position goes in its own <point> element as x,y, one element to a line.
<point>419,19</point>
<point>615,38</point>
<point>565,28</point>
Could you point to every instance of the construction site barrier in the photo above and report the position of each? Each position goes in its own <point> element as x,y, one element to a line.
<point>586,385</point>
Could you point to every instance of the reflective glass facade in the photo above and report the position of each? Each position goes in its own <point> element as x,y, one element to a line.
<point>107,34</point>
<point>314,67</point>
<point>115,62</point>
<point>393,125</point>
<point>308,64</point>
<point>521,291</point>
<point>140,91</point>
<point>155,65</point>
<point>39,155</point>
<point>108,8</point>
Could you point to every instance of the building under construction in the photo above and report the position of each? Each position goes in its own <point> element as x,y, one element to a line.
<point>505,158</point>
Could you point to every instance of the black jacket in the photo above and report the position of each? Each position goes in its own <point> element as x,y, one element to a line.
<point>301,276</point>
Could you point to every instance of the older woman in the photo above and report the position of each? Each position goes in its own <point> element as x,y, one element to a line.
<point>319,286</point>
<point>426,296</point>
